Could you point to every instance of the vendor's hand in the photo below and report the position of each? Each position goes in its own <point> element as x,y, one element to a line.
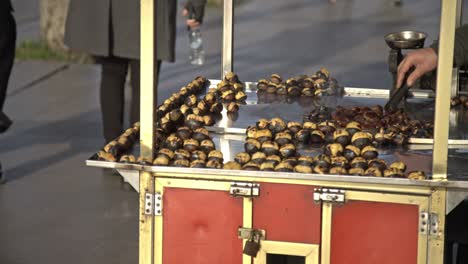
<point>423,61</point>
<point>192,23</point>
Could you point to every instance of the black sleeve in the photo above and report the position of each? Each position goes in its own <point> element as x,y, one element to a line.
<point>198,9</point>
<point>460,52</point>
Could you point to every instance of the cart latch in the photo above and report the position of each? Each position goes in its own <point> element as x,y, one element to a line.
<point>245,189</point>
<point>247,233</point>
<point>329,195</point>
<point>153,204</point>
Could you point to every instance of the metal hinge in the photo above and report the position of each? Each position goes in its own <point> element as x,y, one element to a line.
<point>329,195</point>
<point>429,223</point>
<point>247,233</point>
<point>245,189</point>
<point>153,204</point>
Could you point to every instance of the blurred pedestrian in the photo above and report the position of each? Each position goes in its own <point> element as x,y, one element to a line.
<point>7,57</point>
<point>110,31</point>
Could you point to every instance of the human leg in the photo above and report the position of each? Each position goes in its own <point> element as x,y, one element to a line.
<point>7,57</point>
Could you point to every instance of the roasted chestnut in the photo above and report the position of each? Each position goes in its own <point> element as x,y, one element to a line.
<point>308,91</point>
<point>191,144</point>
<point>341,136</point>
<point>102,155</point>
<point>281,89</point>
<point>338,171</point>
<point>161,160</point>
<point>232,107</point>
<point>303,169</point>
<point>251,166</point>
<point>339,161</point>
<point>183,163</point>
<point>198,164</point>
<point>353,127</point>
<point>271,88</point>
<point>240,96</point>
<point>173,142</point>
<point>216,108</point>
<point>214,164</point>
<point>291,161</point>
<point>302,136</point>
<point>238,87</point>
<point>191,100</point>
<point>400,139</point>
<point>198,155</point>
<point>201,134</point>
<point>361,139</point>
<point>207,146</point>
<point>317,136</point>
<point>287,150</point>
<point>294,127</point>
<point>294,91</point>
<point>327,127</point>
<point>274,159</point>
<point>393,172</point>
<point>377,163</point>
<point>258,157</point>
<point>284,167</point>
<point>267,166</point>
<point>185,110</point>
<point>231,77</point>
<point>232,165</point>
<point>416,175</point>
<point>306,161</point>
<point>455,101</point>
<point>216,155</point>
<point>356,171</point>
<point>334,149</point>
<point>252,145</point>
<point>127,159</point>
<point>310,125</point>
<point>262,124</point>
<point>350,152</point>
<point>276,78</point>
<point>320,170</point>
<point>242,158</point>
<point>283,138</point>
<point>208,120</point>
<point>277,125</point>
<point>359,162</point>
<point>210,98</point>
<point>184,133</point>
<point>373,171</point>
<point>181,154</point>
<point>322,160</point>
<point>263,135</point>
<point>369,152</point>
<point>262,85</point>
<point>398,165</point>
<point>194,121</point>
<point>144,161</point>
<point>224,86</point>
<point>228,96</point>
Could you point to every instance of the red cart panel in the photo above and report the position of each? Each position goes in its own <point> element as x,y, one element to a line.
<point>374,232</point>
<point>288,213</point>
<point>200,227</point>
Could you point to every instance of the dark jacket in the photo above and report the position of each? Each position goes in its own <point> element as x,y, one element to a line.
<point>460,52</point>
<point>89,24</point>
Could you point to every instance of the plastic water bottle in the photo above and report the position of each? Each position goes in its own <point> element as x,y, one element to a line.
<point>197,54</point>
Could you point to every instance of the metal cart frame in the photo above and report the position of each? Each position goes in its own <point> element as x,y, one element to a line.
<point>148,179</point>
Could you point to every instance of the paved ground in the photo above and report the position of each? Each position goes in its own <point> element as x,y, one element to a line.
<point>56,210</point>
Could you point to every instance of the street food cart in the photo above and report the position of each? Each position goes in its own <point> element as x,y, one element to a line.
<point>200,215</point>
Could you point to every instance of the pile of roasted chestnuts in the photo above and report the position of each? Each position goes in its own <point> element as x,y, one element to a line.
<point>461,100</point>
<point>316,85</point>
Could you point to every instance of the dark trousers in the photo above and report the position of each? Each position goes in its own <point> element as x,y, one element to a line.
<point>113,77</point>
<point>7,52</point>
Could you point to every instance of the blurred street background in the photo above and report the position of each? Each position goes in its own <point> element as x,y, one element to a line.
<point>54,209</point>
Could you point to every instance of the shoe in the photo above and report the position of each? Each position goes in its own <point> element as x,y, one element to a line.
<point>2,177</point>
<point>5,122</point>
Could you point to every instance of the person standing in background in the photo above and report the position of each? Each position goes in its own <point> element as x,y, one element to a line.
<point>110,31</point>
<point>7,57</point>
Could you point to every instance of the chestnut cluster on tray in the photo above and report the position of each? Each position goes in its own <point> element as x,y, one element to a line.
<point>316,85</point>
<point>272,145</point>
<point>386,128</point>
<point>461,100</point>
<point>122,144</point>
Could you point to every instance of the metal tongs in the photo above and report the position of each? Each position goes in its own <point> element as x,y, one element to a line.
<point>397,95</point>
